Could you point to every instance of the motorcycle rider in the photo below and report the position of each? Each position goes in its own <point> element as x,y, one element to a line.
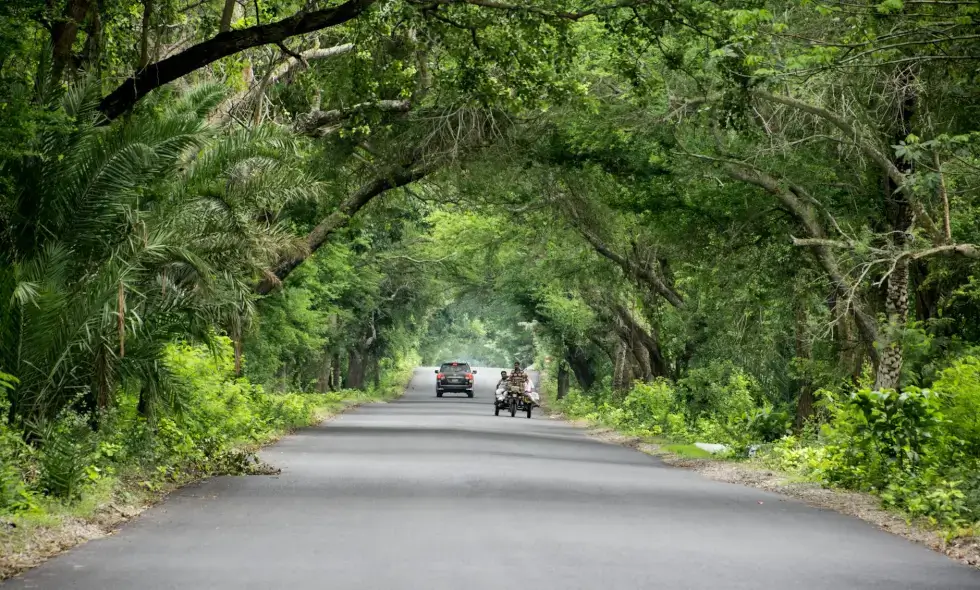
<point>517,376</point>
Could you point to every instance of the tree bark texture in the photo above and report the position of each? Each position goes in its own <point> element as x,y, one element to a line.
<point>622,369</point>
<point>897,310</point>
<point>226,15</point>
<point>563,380</point>
<point>582,367</point>
<point>900,210</point>
<point>355,369</point>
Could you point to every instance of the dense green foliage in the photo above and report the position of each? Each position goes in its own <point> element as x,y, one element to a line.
<point>750,224</point>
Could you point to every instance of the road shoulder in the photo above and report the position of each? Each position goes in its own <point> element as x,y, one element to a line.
<point>965,549</point>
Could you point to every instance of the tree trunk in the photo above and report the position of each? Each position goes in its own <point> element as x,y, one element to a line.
<point>92,54</point>
<point>646,346</point>
<point>804,404</point>
<point>355,369</point>
<point>375,372</point>
<point>226,15</point>
<point>563,379</point>
<point>323,377</point>
<point>158,74</point>
<point>582,367</point>
<point>143,405</point>
<point>64,33</point>
<point>336,383</point>
<point>144,58</point>
<point>897,309</point>
<point>622,371</point>
<point>889,371</point>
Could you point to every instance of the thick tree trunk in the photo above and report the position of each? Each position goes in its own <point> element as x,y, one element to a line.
<point>65,32</point>
<point>92,54</point>
<point>622,370</point>
<point>897,203</point>
<point>563,380</point>
<point>323,375</point>
<point>897,309</point>
<point>646,345</point>
<point>375,370</point>
<point>582,367</point>
<point>355,369</point>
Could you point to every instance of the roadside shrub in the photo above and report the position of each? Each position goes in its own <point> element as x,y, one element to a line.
<point>648,404</point>
<point>15,495</point>
<point>67,452</point>
<point>576,404</point>
<point>959,386</point>
<point>719,390</point>
<point>874,436</point>
<point>766,424</point>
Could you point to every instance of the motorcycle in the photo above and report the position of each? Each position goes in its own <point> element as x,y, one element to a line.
<point>514,398</point>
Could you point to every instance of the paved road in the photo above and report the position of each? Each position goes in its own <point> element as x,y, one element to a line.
<point>439,494</point>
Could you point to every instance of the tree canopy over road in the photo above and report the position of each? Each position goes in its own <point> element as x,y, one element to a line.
<point>730,220</point>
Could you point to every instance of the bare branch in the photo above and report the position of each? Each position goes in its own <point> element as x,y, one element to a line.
<point>866,146</point>
<point>312,122</point>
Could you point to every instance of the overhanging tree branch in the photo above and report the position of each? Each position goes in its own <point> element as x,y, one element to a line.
<point>222,45</point>
<point>869,149</point>
<point>561,14</point>
<point>223,112</point>
<point>398,177</point>
<point>795,200</point>
<point>312,122</point>
<point>633,269</point>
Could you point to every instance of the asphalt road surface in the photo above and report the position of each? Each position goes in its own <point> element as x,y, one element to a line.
<point>434,494</point>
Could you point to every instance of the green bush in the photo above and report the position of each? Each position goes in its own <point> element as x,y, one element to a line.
<point>960,387</point>
<point>719,390</point>
<point>67,452</point>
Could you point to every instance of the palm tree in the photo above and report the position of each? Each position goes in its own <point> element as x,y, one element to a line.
<point>118,239</point>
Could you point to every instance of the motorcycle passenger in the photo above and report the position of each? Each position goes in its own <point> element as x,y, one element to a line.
<point>503,380</point>
<point>501,387</point>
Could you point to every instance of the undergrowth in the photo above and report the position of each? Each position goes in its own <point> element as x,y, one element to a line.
<point>918,450</point>
<point>73,470</point>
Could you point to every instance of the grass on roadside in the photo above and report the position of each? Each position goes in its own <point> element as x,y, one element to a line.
<point>686,450</point>
<point>120,490</point>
